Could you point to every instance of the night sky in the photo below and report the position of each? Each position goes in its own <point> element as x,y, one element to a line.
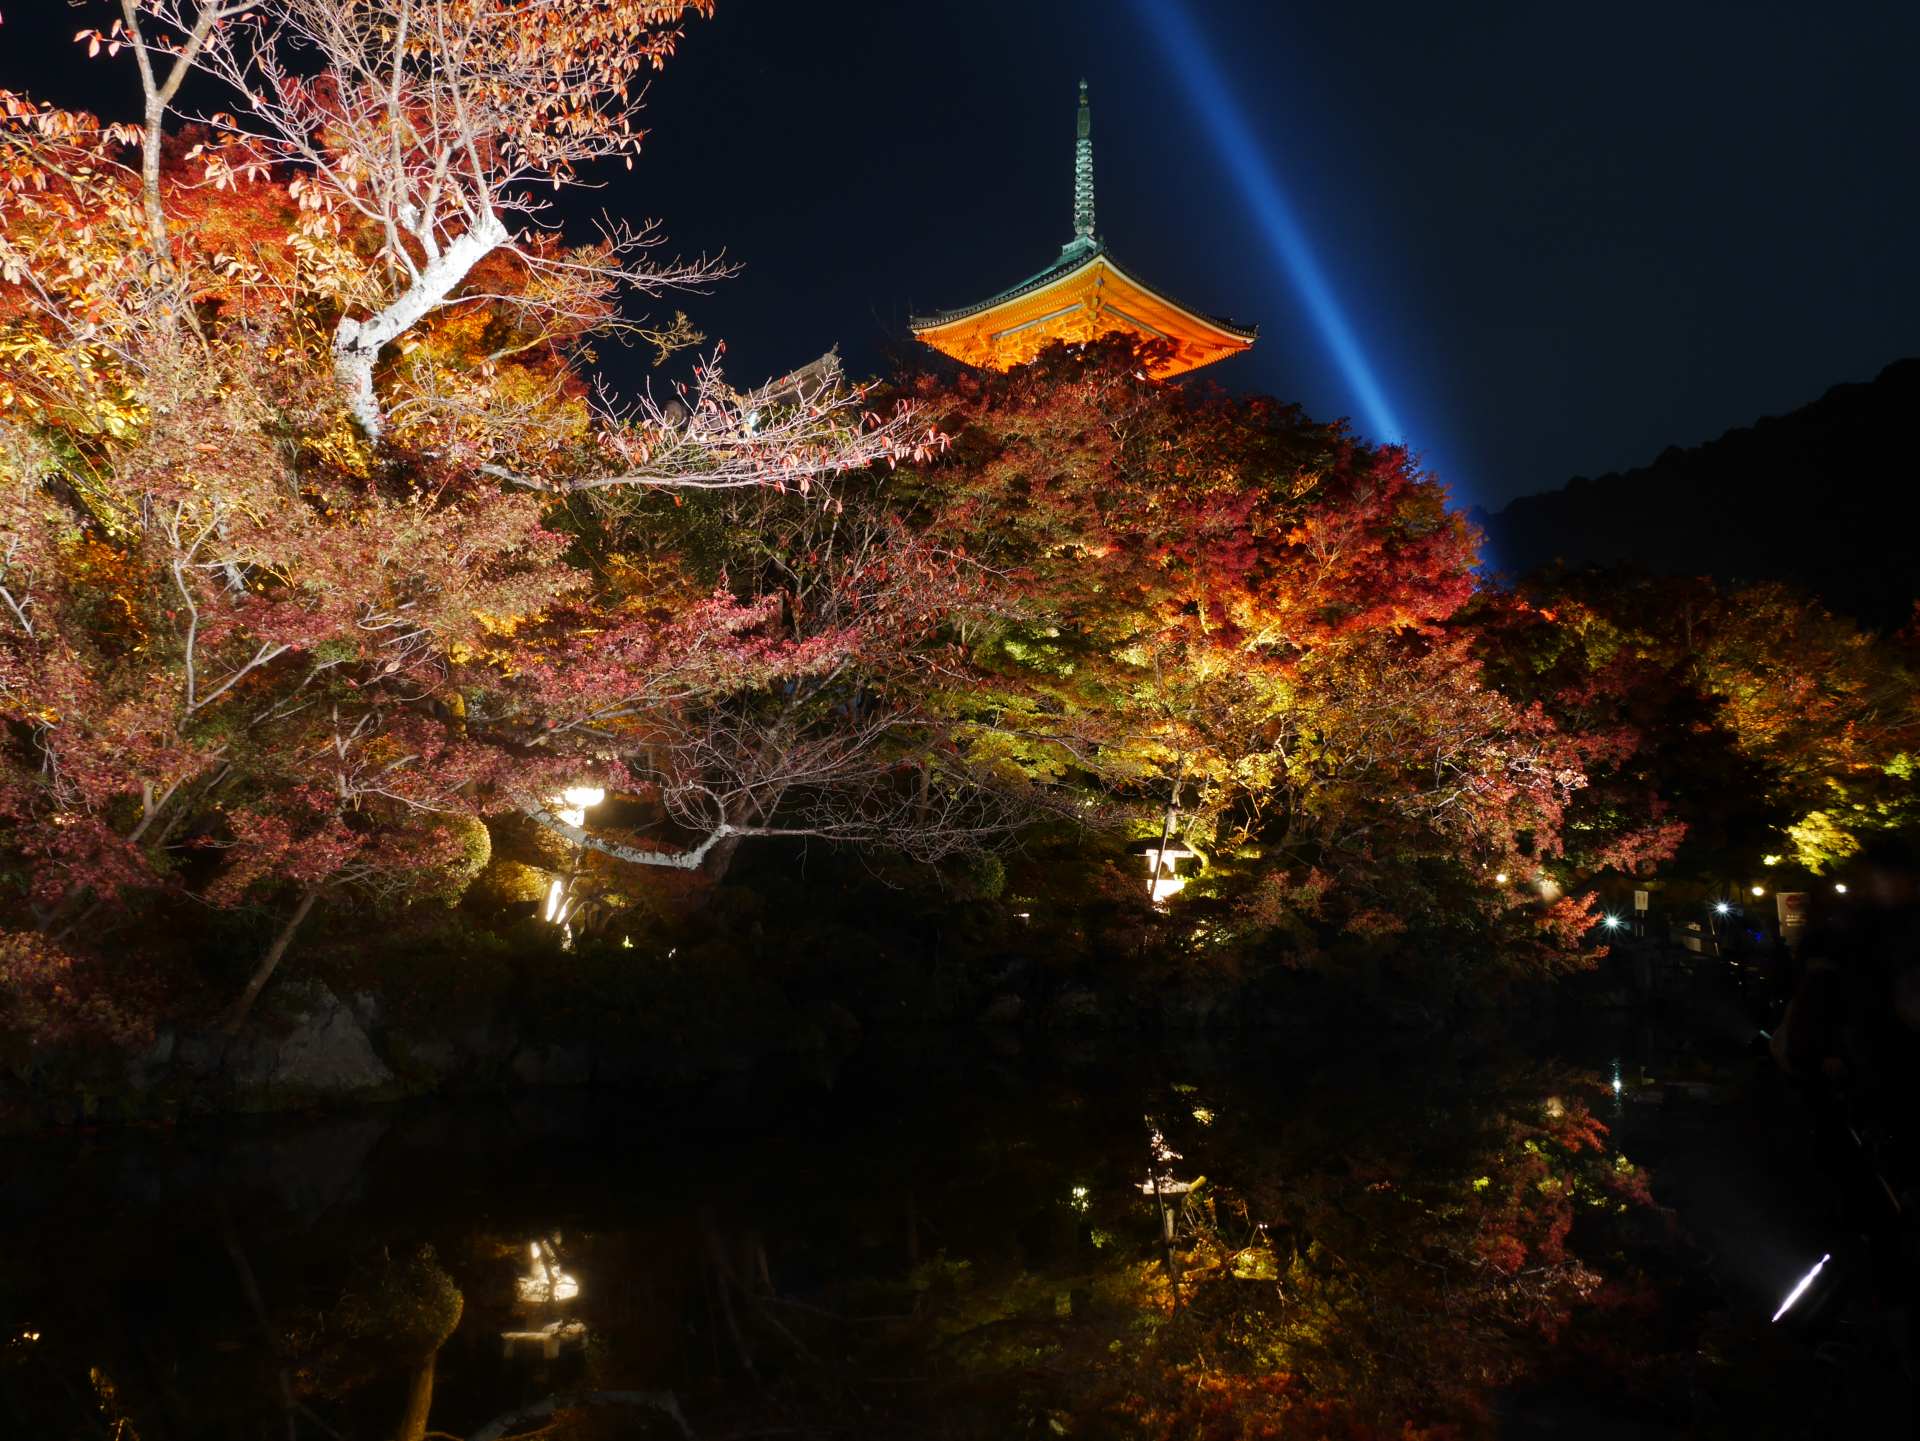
<point>1563,237</point>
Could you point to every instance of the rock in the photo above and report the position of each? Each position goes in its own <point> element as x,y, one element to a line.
<point>315,1046</point>
<point>148,1067</point>
<point>428,1059</point>
<point>197,1054</point>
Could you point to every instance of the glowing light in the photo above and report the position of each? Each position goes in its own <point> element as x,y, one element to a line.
<point>1798,1291</point>
<point>1721,908</point>
<point>1770,860</point>
<point>1247,159</point>
<point>1079,1200</point>
<point>554,892</point>
<point>1839,888</point>
<point>574,802</point>
<point>1612,923</point>
<point>1161,865</point>
<point>1203,1115</point>
<point>1759,890</point>
<point>1500,878</point>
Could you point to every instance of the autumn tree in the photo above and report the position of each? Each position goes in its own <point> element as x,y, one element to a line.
<point>276,616</point>
<point>1220,621</point>
<point>1750,720</point>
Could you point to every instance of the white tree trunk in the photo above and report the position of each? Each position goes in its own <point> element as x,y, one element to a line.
<point>357,343</point>
<point>635,855</point>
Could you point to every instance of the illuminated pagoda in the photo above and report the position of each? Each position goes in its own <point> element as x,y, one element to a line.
<point>1083,295</point>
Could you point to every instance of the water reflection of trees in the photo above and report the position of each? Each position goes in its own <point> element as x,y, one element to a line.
<point>1355,1250</point>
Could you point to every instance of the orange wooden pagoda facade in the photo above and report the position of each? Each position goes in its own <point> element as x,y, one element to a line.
<point>1083,295</point>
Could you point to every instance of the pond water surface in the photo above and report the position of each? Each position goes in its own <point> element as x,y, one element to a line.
<point>1420,1241</point>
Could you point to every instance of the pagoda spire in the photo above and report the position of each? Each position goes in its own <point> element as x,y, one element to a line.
<point>1083,175</point>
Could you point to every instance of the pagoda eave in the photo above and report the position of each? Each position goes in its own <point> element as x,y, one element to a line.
<point>1080,300</point>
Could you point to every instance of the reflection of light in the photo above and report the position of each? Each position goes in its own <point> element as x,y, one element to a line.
<point>1797,1291</point>
<point>550,1340</point>
<point>1203,1115</point>
<point>1079,1201</point>
<point>1769,860</point>
<point>554,892</point>
<point>545,1282</point>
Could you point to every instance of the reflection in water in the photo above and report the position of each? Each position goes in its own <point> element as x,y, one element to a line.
<point>538,1294</point>
<point>546,1283</point>
<point>1338,1255</point>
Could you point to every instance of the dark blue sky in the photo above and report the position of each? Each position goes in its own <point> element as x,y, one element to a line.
<point>1564,237</point>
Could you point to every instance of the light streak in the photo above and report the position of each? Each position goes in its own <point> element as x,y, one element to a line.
<point>1798,1291</point>
<point>1246,158</point>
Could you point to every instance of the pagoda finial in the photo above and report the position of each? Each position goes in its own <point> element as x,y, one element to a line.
<point>1083,173</point>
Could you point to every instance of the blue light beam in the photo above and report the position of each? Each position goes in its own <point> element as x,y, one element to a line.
<point>1207,89</point>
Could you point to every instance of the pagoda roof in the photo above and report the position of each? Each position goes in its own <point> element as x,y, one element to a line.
<point>1084,294</point>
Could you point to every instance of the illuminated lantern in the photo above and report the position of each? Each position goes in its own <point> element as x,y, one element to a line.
<point>1162,864</point>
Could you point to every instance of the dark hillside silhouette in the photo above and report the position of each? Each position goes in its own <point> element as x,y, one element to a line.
<point>1822,497</point>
